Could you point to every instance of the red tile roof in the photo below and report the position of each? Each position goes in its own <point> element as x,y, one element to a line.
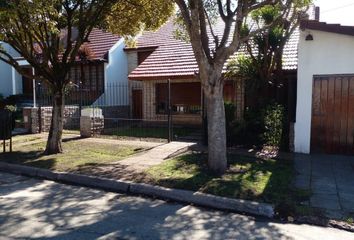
<point>100,42</point>
<point>174,58</point>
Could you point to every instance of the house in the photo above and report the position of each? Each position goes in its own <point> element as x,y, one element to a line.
<point>7,84</point>
<point>325,95</point>
<point>107,65</point>
<point>159,56</point>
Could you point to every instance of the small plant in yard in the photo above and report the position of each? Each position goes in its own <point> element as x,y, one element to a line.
<point>349,220</point>
<point>273,124</point>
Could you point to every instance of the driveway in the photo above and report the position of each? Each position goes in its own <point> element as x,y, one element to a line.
<point>36,209</point>
<point>330,179</point>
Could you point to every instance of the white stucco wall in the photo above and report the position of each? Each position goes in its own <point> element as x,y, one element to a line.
<point>328,53</point>
<point>7,86</point>
<point>116,74</point>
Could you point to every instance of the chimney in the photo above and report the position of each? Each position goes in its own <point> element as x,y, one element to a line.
<point>317,14</point>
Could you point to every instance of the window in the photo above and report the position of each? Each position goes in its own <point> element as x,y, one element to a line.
<point>185,98</point>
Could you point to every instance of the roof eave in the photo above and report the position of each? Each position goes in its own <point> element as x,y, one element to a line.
<point>150,48</point>
<point>325,27</point>
<point>161,77</point>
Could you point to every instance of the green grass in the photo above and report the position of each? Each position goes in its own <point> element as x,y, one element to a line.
<point>146,132</point>
<point>76,154</point>
<point>247,178</point>
<point>22,139</point>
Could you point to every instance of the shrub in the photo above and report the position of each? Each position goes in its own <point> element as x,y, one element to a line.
<point>11,108</point>
<point>273,125</point>
<point>230,110</point>
<point>246,132</point>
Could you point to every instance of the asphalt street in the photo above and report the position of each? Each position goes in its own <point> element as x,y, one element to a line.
<point>38,209</point>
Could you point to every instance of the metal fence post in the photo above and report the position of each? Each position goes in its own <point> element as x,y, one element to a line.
<point>39,108</point>
<point>169,112</point>
<point>204,120</point>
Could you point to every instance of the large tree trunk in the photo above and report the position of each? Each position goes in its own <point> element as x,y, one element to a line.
<point>54,143</point>
<point>217,158</point>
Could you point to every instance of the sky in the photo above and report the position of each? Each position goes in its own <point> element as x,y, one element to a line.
<point>336,11</point>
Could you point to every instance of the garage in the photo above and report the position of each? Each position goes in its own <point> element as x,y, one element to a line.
<point>325,89</point>
<point>332,127</point>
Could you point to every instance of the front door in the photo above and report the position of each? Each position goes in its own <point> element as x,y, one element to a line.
<point>27,83</point>
<point>137,96</point>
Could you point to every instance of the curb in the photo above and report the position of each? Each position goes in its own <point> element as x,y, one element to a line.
<point>183,196</point>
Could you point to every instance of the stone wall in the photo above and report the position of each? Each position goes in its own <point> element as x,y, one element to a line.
<point>39,119</point>
<point>91,126</point>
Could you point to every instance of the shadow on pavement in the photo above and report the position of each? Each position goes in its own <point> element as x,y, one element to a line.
<point>35,209</point>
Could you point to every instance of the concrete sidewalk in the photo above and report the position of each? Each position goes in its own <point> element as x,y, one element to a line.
<point>36,209</point>
<point>330,179</point>
<point>155,156</point>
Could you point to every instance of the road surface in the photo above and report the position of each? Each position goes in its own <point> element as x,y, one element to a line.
<point>37,209</point>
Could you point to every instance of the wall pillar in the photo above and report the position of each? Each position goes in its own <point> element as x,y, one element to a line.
<point>91,122</point>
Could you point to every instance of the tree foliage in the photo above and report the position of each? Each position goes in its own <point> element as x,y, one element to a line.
<point>49,35</point>
<point>262,66</point>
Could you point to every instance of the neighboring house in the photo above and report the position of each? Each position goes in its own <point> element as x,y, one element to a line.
<point>106,66</point>
<point>8,84</point>
<point>159,56</point>
<point>325,96</point>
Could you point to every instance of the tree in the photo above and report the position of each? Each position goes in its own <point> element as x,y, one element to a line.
<point>42,31</point>
<point>262,67</point>
<point>197,16</point>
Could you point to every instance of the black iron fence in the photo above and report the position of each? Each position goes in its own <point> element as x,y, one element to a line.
<point>129,110</point>
<point>6,127</point>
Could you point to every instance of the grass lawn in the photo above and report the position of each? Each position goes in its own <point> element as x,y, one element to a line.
<point>247,178</point>
<point>23,139</point>
<point>146,132</point>
<point>76,154</point>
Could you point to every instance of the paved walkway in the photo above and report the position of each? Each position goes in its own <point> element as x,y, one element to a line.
<point>35,209</point>
<point>330,179</point>
<point>156,155</point>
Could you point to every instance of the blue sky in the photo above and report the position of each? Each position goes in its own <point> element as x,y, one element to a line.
<point>337,11</point>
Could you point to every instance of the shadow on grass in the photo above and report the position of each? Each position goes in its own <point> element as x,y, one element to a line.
<point>28,158</point>
<point>70,139</point>
<point>264,180</point>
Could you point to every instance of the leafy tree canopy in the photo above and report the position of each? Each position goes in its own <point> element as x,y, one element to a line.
<point>49,34</point>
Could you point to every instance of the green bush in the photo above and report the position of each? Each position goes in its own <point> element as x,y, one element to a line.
<point>246,132</point>
<point>273,125</point>
<point>11,108</point>
<point>230,110</point>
